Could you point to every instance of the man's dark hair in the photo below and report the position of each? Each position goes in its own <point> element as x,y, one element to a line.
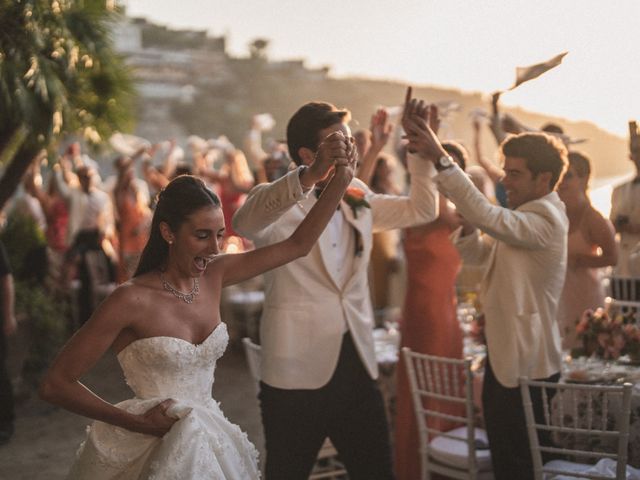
<point>541,152</point>
<point>306,123</point>
<point>551,127</point>
<point>458,152</point>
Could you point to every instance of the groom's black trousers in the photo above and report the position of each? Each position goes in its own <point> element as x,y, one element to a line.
<point>349,410</point>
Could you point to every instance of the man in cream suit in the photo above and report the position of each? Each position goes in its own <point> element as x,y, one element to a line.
<point>525,247</point>
<point>318,360</point>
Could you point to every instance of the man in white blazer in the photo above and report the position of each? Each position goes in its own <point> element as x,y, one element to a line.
<point>525,247</point>
<point>318,359</point>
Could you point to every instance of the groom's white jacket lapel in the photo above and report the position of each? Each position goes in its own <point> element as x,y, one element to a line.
<point>305,310</point>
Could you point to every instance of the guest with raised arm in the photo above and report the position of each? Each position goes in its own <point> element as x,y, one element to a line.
<point>164,325</point>
<point>318,359</point>
<point>526,248</point>
<point>380,132</point>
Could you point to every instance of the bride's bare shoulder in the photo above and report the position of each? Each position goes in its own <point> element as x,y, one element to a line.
<point>137,291</point>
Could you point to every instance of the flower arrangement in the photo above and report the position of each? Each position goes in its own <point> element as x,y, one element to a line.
<point>355,198</point>
<point>609,334</point>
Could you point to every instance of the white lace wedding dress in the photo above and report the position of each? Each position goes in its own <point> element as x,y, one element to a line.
<point>203,444</point>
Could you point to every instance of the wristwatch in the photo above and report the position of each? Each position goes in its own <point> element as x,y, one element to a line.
<point>444,162</point>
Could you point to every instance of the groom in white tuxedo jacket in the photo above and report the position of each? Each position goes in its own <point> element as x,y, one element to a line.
<point>318,360</point>
<point>525,250</point>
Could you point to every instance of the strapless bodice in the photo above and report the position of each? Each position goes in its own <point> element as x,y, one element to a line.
<point>171,367</point>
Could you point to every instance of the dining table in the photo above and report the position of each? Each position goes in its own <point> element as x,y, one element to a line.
<point>575,409</point>
<point>586,370</point>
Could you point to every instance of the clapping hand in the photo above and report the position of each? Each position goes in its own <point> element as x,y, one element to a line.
<point>419,121</point>
<point>380,129</point>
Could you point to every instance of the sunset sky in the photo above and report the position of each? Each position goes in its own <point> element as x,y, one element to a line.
<point>466,44</point>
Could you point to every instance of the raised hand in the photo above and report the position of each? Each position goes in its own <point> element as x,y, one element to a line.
<point>418,120</point>
<point>413,107</point>
<point>433,117</point>
<point>495,98</point>
<point>380,129</point>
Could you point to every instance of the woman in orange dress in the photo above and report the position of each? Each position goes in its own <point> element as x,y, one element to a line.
<point>429,321</point>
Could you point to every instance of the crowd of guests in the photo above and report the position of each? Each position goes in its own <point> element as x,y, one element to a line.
<point>79,211</point>
<point>528,221</point>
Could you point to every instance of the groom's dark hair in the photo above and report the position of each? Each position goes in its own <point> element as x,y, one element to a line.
<point>304,125</point>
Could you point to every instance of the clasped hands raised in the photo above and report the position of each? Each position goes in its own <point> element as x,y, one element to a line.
<point>336,152</point>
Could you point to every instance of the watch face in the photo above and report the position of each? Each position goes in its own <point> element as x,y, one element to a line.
<point>445,161</point>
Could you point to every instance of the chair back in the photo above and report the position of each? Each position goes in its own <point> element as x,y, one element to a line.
<point>624,288</point>
<point>449,382</point>
<point>591,421</point>
<point>625,293</point>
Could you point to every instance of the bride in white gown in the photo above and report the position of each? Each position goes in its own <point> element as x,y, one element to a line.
<point>164,325</point>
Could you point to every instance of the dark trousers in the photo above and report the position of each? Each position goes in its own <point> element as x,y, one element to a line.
<point>349,410</point>
<point>6,391</point>
<point>86,241</point>
<point>507,428</point>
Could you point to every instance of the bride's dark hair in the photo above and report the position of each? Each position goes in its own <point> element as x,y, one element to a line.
<point>180,198</point>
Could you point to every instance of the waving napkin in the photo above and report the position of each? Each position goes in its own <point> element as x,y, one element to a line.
<point>524,74</point>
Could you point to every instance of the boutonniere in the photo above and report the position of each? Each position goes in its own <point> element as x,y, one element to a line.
<point>354,197</point>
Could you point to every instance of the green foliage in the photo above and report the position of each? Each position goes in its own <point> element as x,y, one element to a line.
<point>20,237</point>
<point>48,318</point>
<point>47,315</point>
<point>58,71</point>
